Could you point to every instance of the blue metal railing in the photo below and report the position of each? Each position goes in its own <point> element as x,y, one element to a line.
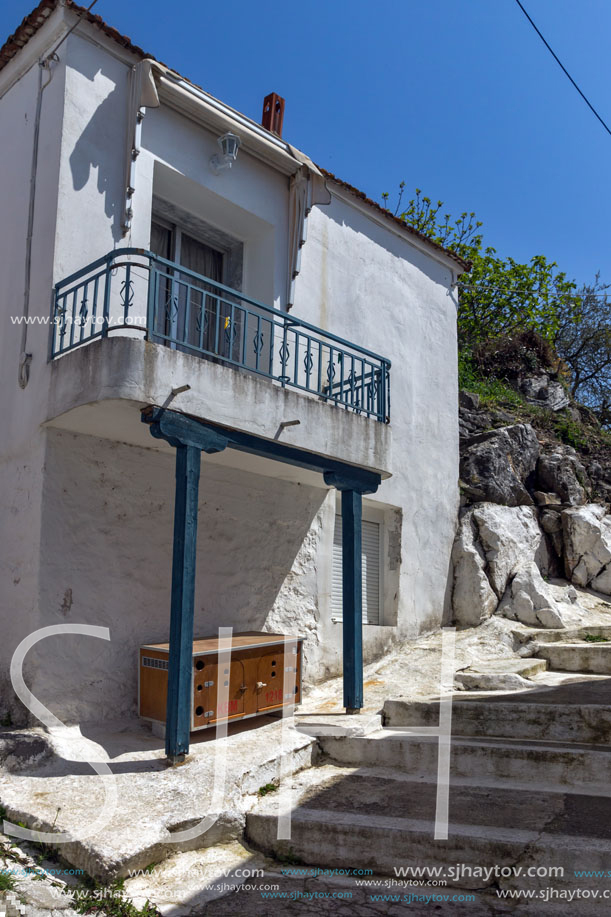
<point>135,289</point>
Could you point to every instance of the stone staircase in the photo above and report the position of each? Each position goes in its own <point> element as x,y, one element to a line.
<point>530,785</point>
<point>569,651</point>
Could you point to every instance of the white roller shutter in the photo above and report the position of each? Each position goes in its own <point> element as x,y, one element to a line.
<point>371,571</point>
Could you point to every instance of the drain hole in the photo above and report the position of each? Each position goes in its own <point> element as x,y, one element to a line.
<point>199,665</point>
<point>199,711</point>
<point>199,687</point>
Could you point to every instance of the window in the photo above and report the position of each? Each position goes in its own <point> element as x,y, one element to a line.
<point>372,577</point>
<point>190,314</point>
<point>192,310</point>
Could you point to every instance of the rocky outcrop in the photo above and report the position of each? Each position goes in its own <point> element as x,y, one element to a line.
<point>529,599</point>
<point>509,537</point>
<point>527,509</point>
<point>562,473</point>
<point>473,598</point>
<point>544,392</point>
<point>496,465</point>
<point>502,555</point>
<point>587,546</point>
<point>498,554</point>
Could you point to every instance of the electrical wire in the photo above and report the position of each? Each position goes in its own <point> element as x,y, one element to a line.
<point>565,71</point>
<point>506,292</point>
<point>70,31</point>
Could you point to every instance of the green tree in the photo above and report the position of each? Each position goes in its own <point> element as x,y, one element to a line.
<point>583,340</point>
<point>499,296</point>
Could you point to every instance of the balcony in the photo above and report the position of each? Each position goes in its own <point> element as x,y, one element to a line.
<point>132,292</point>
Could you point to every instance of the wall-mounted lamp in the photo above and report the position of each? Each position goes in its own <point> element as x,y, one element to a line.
<point>229,144</point>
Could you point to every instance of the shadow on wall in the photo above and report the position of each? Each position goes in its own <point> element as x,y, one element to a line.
<point>101,146</point>
<point>107,536</point>
<point>351,219</point>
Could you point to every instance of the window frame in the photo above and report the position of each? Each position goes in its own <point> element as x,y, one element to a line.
<point>370,514</point>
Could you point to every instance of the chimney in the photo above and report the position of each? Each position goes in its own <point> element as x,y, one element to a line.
<point>273,113</point>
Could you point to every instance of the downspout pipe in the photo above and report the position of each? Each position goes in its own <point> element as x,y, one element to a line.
<point>25,358</point>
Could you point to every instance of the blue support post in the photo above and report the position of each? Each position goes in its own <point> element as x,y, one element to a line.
<point>352,581</point>
<point>190,439</point>
<point>178,713</point>
<point>352,484</point>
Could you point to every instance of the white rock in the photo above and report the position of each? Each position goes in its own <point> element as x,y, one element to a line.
<point>530,600</point>
<point>602,582</point>
<point>483,681</point>
<point>510,536</point>
<point>473,599</point>
<point>587,540</point>
<point>571,594</point>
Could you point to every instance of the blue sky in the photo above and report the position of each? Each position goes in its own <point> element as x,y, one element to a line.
<point>457,97</point>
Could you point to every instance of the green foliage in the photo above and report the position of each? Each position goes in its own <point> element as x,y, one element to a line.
<point>7,881</point>
<point>593,638</point>
<point>503,297</point>
<point>109,900</point>
<point>267,788</point>
<point>499,296</point>
<point>493,392</point>
<point>571,432</point>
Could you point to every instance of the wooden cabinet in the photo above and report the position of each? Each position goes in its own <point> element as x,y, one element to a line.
<point>253,679</point>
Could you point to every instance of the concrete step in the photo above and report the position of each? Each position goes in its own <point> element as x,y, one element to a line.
<point>551,679</point>
<point>515,763</point>
<point>312,891</point>
<point>566,634</point>
<point>375,819</point>
<point>500,674</point>
<point>577,657</point>
<point>576,712</point>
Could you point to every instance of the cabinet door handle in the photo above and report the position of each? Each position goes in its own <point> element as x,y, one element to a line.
<point>243,688</point>
<point>261,684</point>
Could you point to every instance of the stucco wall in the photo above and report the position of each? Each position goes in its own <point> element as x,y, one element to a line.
<point>21,440</point>
<point>365,280</point>
<point>263,562</point>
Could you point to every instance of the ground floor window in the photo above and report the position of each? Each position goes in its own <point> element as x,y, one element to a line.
<point>372,571</point>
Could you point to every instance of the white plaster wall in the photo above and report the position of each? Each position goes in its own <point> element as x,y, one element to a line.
<point>367,282</point>
<point>106,557</point>
<point>106,551</point>
<point>22,442</point>
<point>92,167</point>
<point>249,202</point>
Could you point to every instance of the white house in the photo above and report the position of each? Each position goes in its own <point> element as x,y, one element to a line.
<point>258,299</point>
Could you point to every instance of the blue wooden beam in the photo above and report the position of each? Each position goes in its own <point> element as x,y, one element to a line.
<point>180,688</point>
<point>190,441</point>
<point>352,610</point>
<point>178,429</point>
<point>167,424</point>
